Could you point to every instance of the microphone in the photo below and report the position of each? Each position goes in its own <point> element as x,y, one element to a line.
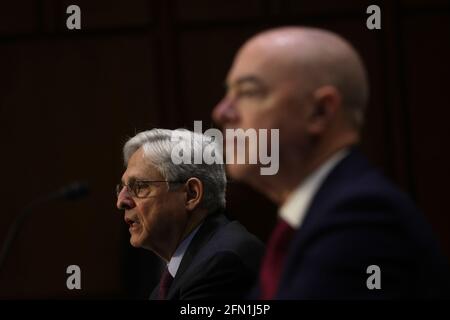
<point>73,191</point>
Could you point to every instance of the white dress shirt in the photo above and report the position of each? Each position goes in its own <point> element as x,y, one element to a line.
<point>294,209</point>
<point>175,261</point>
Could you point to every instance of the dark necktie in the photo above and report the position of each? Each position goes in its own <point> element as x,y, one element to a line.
<point>164,284</point>
<point>272,264</point>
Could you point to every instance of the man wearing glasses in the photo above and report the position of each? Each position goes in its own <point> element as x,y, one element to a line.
<point>176,211</point>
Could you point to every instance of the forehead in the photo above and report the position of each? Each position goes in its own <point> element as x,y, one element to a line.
<point>139,167</point>
<point>248,63</point>
<point>268,61</point>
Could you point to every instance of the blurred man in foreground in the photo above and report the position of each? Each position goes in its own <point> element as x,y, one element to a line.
<point>344,230</point>
<point>176,211</point>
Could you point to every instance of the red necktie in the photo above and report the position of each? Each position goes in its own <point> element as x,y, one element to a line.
<point>164,284</point>
<point>272,264</point>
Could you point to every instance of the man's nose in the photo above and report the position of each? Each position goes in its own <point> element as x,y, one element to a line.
<point>225,112</point>
<point>124,200</point>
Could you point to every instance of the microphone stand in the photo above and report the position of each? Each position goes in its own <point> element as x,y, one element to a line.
<point>73,191</point>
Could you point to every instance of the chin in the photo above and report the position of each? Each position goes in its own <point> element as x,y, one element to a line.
<point>135,243</point>
<point>235,171</point>
<point>242,172</point>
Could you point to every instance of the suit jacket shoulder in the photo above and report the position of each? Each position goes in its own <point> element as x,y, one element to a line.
<point>358,219</point>
<point>221,262</point>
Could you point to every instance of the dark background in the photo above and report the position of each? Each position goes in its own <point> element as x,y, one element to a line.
<point>70,99</point>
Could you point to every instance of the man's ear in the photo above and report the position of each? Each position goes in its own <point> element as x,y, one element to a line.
<point>194,193</point>
<point>326,103</point>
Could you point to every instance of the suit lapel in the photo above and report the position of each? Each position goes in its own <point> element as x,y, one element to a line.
<point>353,164</point>
<point>210,225</point>
<point>154,294</point>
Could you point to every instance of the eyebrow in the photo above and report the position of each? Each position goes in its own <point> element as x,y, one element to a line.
<point>123,181</point>
<point>131,179</point>
<point>246,79</point>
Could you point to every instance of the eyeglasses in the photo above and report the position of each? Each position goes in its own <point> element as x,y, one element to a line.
<point>140,188</point>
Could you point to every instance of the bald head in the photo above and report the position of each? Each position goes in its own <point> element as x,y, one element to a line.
<point>310,85</point>
<point>314,58</point>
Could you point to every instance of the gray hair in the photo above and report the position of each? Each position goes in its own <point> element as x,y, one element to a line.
<point>157,145</point>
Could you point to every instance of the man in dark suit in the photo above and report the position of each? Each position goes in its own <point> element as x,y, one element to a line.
<point>175,209</point>
<point>221,262</point>
<point>344,231</point>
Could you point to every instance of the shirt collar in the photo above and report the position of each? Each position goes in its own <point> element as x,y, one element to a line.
<point>175,261</point>
<point>294,209</point>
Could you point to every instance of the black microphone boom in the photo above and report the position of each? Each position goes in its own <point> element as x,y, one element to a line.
<point>73,191</point>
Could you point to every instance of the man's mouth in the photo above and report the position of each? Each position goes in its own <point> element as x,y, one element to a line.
<point>131,222</point>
